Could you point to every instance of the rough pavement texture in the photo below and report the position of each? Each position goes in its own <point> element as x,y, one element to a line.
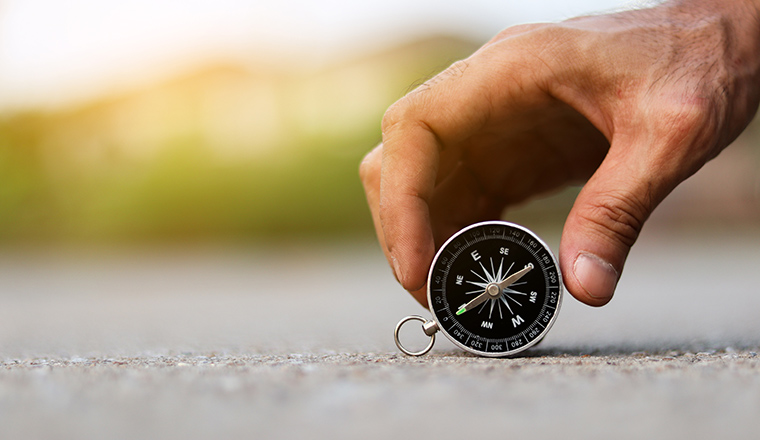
<point>671,395</point>
<point>297,344</point>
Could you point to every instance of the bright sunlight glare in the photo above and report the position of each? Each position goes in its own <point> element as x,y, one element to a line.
<point>52,52</point>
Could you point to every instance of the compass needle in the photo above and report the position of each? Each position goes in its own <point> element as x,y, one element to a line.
<point>509,269</point>
<point>516,276</point>
<point>482,314</point>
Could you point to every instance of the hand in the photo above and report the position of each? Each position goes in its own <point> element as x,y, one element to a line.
<point>632,103</point>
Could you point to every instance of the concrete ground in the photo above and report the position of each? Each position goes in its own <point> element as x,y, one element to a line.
<point>296,342</point>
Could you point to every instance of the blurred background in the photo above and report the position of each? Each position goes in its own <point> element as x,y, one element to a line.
<point>237,121</point>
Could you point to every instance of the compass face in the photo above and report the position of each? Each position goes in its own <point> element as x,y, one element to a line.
<point>494,288</point>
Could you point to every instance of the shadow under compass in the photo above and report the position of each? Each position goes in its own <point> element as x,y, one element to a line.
<point>675,349</point>
<point>616,350</point>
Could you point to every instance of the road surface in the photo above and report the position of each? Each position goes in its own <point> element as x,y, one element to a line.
<point>296,342</point>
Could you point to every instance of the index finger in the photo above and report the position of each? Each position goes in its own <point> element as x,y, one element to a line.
<point>410,161</point>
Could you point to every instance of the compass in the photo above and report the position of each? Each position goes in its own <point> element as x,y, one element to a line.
<point>494,289</point>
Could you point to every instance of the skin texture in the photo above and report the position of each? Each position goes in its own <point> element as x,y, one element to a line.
<point>630,103</point>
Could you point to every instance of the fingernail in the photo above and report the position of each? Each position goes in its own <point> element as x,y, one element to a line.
<point>397,270</point>
<point>597,277</point>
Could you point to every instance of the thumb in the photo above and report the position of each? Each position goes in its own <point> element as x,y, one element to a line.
<point>606,219</point>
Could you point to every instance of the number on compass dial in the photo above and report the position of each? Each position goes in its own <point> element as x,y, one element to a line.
<point>494,288</point>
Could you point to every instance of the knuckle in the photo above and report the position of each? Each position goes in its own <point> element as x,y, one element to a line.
<point>621,215</point>
<point>688,117</point>
<point>404,114</point>
<point>518,30</point>
<point>396,113</point>
<point>691,114</point>
<point>456,69</point>
<point>687,131</point>
<point>369,168</point>
<point>558,42</point>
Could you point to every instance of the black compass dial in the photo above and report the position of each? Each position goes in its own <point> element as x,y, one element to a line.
<point>494,288</point>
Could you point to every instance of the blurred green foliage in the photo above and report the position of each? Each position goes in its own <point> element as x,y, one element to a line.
<point>69,176</point>
<point>236,154</point>
<point>184,193</point>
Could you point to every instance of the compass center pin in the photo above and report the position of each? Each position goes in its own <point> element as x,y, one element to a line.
<point>493,290</point>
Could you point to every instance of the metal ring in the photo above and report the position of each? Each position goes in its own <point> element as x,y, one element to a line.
<point>401,347</point>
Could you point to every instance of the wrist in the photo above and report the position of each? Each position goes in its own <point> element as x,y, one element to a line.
<point>745,11</point>
<point>737,21</point>
<point>715,4</point>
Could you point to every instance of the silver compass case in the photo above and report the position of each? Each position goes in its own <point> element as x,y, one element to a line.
<point>494,289</point>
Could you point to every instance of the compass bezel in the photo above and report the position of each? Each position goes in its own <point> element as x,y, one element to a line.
<point>445,328</point>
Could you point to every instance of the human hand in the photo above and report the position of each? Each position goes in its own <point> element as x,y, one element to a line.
<point>633,103</point>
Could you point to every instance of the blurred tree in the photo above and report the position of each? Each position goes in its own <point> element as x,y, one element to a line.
<point>226,152</point>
